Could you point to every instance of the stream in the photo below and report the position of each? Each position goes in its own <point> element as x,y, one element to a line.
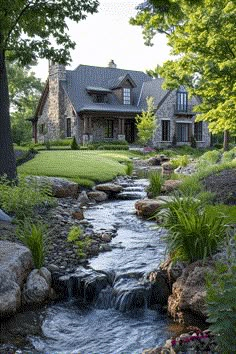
<point>119,320</point>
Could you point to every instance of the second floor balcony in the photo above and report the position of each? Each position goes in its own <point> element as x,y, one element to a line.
<point>183,109</point>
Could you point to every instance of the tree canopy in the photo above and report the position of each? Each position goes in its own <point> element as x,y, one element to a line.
<point>32,29</point>
<point>202,35</point>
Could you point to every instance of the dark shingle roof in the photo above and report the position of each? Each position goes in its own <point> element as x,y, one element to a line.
<point>84,76</point>
<point>152,88</point>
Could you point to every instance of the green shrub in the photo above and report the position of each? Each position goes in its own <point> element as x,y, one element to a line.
<point>47,145</point>
<point>81,242</point>
<point>74,145</point>
<point>33,235</point>
<point>156,181</point>
<point>22,199</point>
<point>228,156</point>
<point>181,161</point>
<point>221,300</point>
<point>129,168</point>
<point>192,232</point>
<point>112,147</point>
<point>62,142</point>
<point>211,157</point>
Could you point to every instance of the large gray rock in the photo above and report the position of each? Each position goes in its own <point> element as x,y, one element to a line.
<point>37,288</point>
<point>109,187</point>
<point>4,216</point>
<point>148,207</point>
<point>98,196</point>
<point>15,265</point>
<point>189,292</point>
<point>60,187</point>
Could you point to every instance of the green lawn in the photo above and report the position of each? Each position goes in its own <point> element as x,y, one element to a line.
<point>84,167</point>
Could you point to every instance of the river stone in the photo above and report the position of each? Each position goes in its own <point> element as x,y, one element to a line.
<point>4,216</point>
<point>98,196</point>
<point>37,288</point>
<point>61,188</point>
<point>189,292</point>
<point>148,207</point>
<point>83,199</point>
<point>15,265</point>
<point>167,169</point>
<point>109,187</point>
<point>78,214</point>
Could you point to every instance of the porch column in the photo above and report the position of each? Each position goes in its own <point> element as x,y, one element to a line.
<point>121,127</point>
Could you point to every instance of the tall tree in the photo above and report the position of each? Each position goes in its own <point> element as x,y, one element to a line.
<point>27,30</point>
<point>202,34</point>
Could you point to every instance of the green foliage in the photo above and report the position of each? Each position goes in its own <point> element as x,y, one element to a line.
<point>211,157</point>
<point>82,243</point>
<point>228,155</point>
<point>23,199</point>
<point>34,236</point>
<point>181,161</point>
<point>74,145</point>
<point>129,168</point>
<point>227,211</point>
<point>192,232</point>
<point>112,147</point>
<point>200,35</point>
<point>146,122</point>
<point>221,300</point>
<point>156,181</point>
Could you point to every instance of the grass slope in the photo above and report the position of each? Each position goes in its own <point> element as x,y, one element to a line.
<point>84,167</point>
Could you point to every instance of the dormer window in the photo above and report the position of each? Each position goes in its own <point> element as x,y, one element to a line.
<point>126,95</point>
<point>182,101</point>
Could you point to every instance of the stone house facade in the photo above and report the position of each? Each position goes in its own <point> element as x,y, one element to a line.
<point>100,104</point>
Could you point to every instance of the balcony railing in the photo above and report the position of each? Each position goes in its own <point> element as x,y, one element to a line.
<point>183,109</point>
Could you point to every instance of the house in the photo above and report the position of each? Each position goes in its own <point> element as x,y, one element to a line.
<point>101,103</point>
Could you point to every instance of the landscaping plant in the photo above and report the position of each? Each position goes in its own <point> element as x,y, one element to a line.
<point>192,232</point>
<point>74,145</point>
<point>33,235</point>
<point>82,243</point>
<point>221,299</point>
<point>129,168</point>
<point>156,181</point>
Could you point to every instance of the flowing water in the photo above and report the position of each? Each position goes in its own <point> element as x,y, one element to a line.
<point>119,320</point>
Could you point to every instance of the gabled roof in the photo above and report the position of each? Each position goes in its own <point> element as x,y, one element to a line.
<point>85,76</point>
<point>153,89</point>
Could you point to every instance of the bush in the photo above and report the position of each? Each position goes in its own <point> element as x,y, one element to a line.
<point>22,199</point>
<point>34,237</point>
<point>62,142</point>
<point>74,145</point>
<point>180,161</point>
<point>193,233</point>
<point>156,181</point>
<point>221,300</point>
<point>113,147</point>
<point>228,156</point>
<point>211,157</point>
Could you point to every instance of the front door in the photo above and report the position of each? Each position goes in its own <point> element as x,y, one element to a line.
<point>130,130</point>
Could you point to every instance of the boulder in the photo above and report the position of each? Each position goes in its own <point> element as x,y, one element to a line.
<point>4,216</point>
<point>148,207</point>
<point>60,187</point>
<point>109,187</point>
<point>167,169</point>
<point>78,214</point>
<point>154,161</point>
<point>37,288</point>
<point>189,292</point>
<point>15,265</point>
<point>98,196</point>
<point>160,287</point>
<point>170,185</point>
<point>83,199</point>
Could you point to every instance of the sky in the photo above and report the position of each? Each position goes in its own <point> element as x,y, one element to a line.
<point>108,35</point>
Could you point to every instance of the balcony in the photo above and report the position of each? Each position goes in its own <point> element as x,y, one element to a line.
<point>183,109</point>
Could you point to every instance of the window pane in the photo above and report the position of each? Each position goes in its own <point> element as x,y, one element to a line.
<point>109,129</point>
<point>126,95</point>
<point>183,132</point>
<point>68,127</point>
<point>182,102</point>
<point>165,130</point>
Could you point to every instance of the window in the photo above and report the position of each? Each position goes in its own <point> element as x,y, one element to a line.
<point>198,131</point>
<point>183,132</point>
<point>126,95</point>
<point>100,98</point>
<point>68,127</point>
<point>42,129</point>
<point>165,125</point>
<point>109,128</point>
<point>182,101</point>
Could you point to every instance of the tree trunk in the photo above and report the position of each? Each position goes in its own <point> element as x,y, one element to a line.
<point>7,156</point>
<point>226,140</point>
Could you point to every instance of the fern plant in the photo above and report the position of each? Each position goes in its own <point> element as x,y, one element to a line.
<point>221,300</point>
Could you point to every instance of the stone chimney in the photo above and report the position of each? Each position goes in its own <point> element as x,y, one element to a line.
<point>112,64</point>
